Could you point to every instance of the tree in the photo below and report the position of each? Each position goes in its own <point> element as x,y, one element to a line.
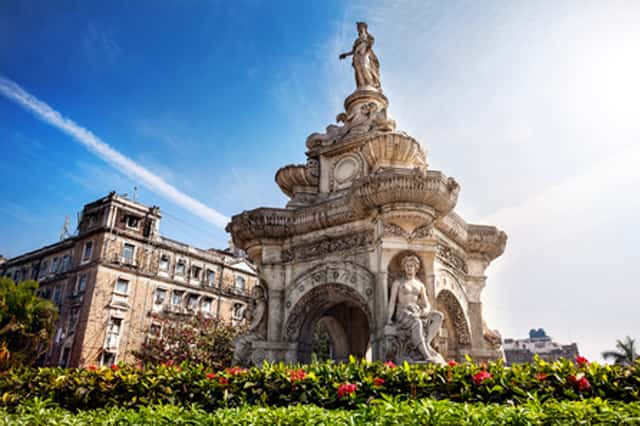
<point>192,338</point>
<point>27,323</point>
<point>626,354</point>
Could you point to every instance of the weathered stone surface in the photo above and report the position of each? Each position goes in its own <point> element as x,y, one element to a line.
<point>364,201</point>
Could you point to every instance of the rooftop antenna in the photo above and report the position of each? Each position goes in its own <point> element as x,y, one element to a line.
<point>135,193</point>
<point>65,229</point>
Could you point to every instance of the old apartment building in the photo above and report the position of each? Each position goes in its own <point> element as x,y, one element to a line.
<point>110,279</point>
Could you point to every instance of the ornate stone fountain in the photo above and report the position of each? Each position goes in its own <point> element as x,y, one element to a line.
<point>364,207</point>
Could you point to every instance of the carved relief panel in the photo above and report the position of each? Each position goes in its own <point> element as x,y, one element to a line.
<point>345,170</point>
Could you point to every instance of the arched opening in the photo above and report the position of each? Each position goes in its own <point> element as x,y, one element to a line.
<point>332,321</point>
<point>455,337</point>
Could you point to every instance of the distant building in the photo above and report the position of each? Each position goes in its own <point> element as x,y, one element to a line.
<point>110,278</point>
<point>522,350</point>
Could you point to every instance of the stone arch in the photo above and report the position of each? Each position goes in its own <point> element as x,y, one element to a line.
<point>350,322</point>
<point>347,274</point>
<point>455,336</point>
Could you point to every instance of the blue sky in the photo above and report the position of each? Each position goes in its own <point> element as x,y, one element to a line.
<point>531,106</point>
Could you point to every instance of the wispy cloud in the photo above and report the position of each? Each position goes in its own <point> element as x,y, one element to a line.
<point>155,183</point>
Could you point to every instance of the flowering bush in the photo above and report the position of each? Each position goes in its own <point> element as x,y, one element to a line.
<point>325,384</point>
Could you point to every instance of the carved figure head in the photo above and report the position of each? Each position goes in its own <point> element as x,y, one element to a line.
<point>258,292</point>
<point>313,167</point>
<point>362,28</point>
<point>410,265</point>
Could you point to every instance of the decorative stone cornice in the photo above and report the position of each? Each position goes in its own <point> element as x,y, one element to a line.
<point>325,246</point>
<point>389,186</point>
<point>486,240</point>
<point>393,150</point>
<point>295,175</point>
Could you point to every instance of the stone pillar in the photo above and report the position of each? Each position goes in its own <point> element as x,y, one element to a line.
<point>475,320</point>
<point>475,283</point>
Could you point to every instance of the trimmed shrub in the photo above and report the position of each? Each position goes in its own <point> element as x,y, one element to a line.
<point>326,384</point>
<point>377,412</point>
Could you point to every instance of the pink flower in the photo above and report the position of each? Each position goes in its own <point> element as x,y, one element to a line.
<point>480,377</point>
<point>390,364</point>
<point>378,381</point>
<point>170,363</point>
<point>211,376</point>
<point>297,375</point>
<point>580,360</point>
<point>452,363</point>
<point>346,389</point>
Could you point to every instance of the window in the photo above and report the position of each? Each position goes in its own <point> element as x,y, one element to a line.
<point>239,284</point>
<point>127,252</point>
<point>34,272</point>
<point>206,304</point>
<point>81,284</point>
<point>180,267</point>
<point>195,272</point>
<point>236,312</point>
<point>192,301</point>
<point>132,221</point>
<point>159,296</point>
<point>43,268</point>
<point>46,293</point>
<point>177,297</point>
<point>88,250</point>
<point>57,294</point>
<point>72,322</point>
<point>92,220</point>
<point>211,277</point>
<point>54,265</point>
<point>164,262</point>
<point>64,358</point>
<point>122,286</point>
<point>155,330</point>
<point>66,260</point>
<point>113,333</point>
<point>108,358</point>
<point>16,276</point>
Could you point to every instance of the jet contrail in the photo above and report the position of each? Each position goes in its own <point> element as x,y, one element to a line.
<point>155,183</point>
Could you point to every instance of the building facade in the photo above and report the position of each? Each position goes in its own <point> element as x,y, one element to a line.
<point>519,351</point>
<point>111,278</point>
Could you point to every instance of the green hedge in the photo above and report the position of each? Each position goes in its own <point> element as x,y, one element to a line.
<point>327,384</point>
<point>377,412</point>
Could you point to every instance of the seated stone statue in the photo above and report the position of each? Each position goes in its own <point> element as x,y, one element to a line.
<point>256,315</point>
<point>410,318</point>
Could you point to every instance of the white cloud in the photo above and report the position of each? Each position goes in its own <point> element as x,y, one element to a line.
<point>155,183</point>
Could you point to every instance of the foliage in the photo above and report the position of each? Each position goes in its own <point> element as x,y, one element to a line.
<point>27,323</point>
<point>377,412</point>
<point>626,353</point>
<point>322,384</point>
<point>190,338</point>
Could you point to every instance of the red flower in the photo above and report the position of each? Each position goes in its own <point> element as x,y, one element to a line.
<point>580,381</point>
<point>234,371</point>
<point>92,367</point>
<point>223,380</point>
<point>170,363</point>
<point>346,389</point>
<point>540,376</point>
<point>583,384</point>
<point>115,367</point>
<point>211,376</point>
<point>297,375</point>
<point>378,381</point>
<point>480,377</point>
<point>452,363</point>
<point>580,360</point>
<point>390,364</point>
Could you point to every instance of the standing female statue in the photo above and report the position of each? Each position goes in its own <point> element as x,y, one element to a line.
<point>365,62</point>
